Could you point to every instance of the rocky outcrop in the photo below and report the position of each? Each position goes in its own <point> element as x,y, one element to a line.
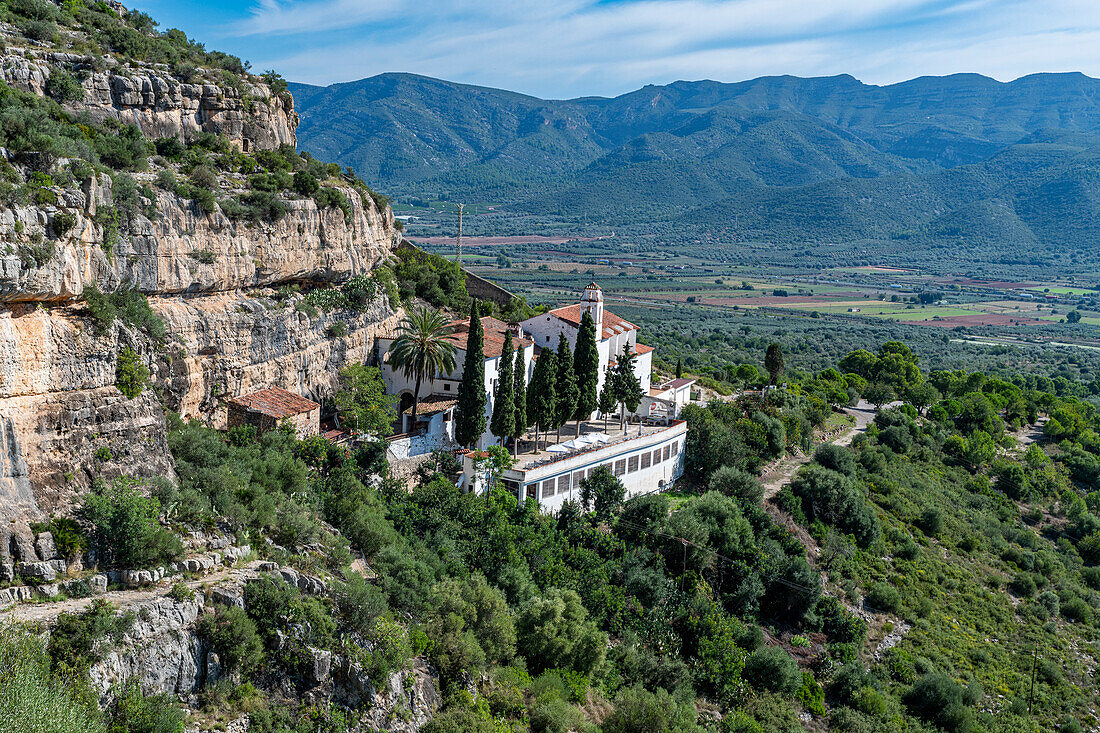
<point>160,652</point>
<point>249,115</point>
<point>182,250</point>
<point>232,344</point>
<point>62,418</point>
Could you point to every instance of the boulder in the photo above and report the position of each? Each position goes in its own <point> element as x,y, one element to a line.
<point>43,571</point>
<point>44,544</point>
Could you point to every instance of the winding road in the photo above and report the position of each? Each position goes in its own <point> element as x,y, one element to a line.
<point>781,474</point>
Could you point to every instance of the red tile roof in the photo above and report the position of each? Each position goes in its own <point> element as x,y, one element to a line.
<point>612,324</point>
<point>275,402</point>
<point>494,329</point>
<point>678,382</point>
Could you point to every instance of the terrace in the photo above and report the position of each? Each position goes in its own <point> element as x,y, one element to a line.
<point>593,437</point>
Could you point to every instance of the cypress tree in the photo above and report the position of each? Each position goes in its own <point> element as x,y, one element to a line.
<point>542,403</point>
<point>607,402</point>
<point>627,388</point>
<point>519,387</point>
<point>504,399</point>
<point>586,365</point>
<point>472,398</point>
<point>565,384</point>
<point>773,362</point>
<point>679,368</point>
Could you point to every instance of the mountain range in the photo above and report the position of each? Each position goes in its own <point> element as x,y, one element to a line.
<point>943,159</point>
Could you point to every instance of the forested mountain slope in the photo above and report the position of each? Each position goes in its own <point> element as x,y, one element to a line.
<point>939,160</point>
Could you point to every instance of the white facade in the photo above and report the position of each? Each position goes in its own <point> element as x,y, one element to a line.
<point>644,463</point>
<point>613,335</point>
<point>446,386</point>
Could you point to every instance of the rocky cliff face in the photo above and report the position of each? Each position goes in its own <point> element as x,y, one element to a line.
<point>62,419</point>
<point>161,106</point>
<point>162,653</point>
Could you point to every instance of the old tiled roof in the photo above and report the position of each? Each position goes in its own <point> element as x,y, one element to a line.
<point>435,403</point>
<point>494,330</point>
<point>275,402</point>
<point>612,324</point>
<point>642,349</point>
<point>678,382</point>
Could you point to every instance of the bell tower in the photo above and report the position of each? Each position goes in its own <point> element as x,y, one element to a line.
<point>592,302</point>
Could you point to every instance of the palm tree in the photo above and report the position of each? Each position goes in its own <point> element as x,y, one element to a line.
<point>423,348</point>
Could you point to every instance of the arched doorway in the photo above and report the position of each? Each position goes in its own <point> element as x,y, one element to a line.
<point>403,409</point>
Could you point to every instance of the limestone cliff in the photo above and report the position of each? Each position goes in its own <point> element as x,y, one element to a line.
<point>250,116</point>
<point>211,278</point>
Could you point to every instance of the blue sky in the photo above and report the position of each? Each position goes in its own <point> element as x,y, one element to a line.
<point>566,48</point>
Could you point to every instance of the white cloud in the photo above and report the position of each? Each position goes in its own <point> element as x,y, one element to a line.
<point>578,47</point>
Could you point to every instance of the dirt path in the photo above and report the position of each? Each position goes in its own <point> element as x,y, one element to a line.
<point>47,610</point>
<point>781,474</point>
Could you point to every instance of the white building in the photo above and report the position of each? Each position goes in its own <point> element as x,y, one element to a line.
<point>613,334</point>
<point>438,397</point>
<point>645,462</point>
<point>646,457</point>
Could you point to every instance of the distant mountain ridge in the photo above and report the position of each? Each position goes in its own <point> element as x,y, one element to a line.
<point>970,155</point>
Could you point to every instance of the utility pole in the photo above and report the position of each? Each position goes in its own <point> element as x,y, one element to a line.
<point>458,239</point>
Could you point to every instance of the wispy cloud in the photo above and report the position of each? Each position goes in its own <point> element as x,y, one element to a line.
<point>573,47</point>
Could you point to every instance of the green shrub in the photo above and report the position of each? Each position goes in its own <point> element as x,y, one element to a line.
<point>884,597</point>
<point>180,593</point>
<point>337,330</point>
<point>133,712</point>
<point>204,256</point>
<point>125,528</point>
<point>305,183</point>
<point>232,634</point>
<point>33,255</point>
<point>63,87</point>
<point>76,639</point>
<point>131,375</point>
<point>773,670</point>
<point>68,537</point>
<point>938,699</point>
<point>170,147</point>
<point>333,198</point>
<point>553,631</point>
<point>734,482</point>
<point>264,206</point>
<point>62,223</point>
<point>40,30</point>
<point>1076,609</point>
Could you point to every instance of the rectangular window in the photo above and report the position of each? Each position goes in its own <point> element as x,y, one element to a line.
<point>547,488</point>
<point>563,484</point>
<point>656,456</point>
<point>620,467</point>
<point>646,458</point>
<point>667,448</point>
<point>610,468</point>
<point>530,489</point>
<point>577,478</point>
<point>446,386</point>
<point>632,464</point>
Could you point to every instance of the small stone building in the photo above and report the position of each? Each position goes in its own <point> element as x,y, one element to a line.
<point>269,407</point>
